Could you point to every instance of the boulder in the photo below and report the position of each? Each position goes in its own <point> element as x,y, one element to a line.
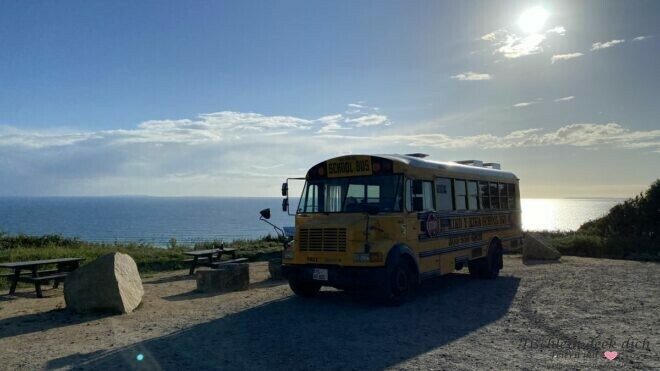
<point>110,283</point>
<point>227,277</point>
<point>275,269</point>
<point>535,248</point>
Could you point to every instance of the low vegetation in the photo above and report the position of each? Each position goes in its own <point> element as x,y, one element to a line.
<point>630,230</point>
<point>149,258</point>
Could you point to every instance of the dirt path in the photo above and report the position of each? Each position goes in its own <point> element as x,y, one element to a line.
<point>546,316</point>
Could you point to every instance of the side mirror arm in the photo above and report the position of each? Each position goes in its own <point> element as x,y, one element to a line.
<point>280,231</point>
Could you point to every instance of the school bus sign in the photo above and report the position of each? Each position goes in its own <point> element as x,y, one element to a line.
<point>349,166</point>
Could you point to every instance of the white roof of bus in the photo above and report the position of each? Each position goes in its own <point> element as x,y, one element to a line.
<point>449,166</point>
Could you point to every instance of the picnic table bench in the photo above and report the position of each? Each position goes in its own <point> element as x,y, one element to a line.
<point>207,258</point>
<point>32,274</point>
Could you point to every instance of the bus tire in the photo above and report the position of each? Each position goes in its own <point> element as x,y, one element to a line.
<point>305,289</point>
<point>487,267</point>
<point>398,283</point>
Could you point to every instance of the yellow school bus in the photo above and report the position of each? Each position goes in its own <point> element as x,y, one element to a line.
<point>387,222</point>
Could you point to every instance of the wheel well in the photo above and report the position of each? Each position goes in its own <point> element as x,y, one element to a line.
<point>411,265</point>
<point>404,253</point>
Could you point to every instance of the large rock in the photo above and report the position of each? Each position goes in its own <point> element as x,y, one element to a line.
<point>110,283</point>
<point>227,277</point>
<point>535,248</point>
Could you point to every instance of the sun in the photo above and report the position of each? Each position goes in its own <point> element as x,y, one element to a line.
<point>533,19</point>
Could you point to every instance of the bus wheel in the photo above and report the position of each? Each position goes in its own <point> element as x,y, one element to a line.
<point>398,284</point>
<point>305,289</point>
<point>489,266</point>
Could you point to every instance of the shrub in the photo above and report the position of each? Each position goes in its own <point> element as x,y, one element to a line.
<point>579,245</point>
<point>630,230</point>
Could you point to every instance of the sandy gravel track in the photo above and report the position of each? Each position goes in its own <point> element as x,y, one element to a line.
<point>543,316</point>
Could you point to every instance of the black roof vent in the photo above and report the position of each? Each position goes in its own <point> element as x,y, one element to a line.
<point>418,155</point>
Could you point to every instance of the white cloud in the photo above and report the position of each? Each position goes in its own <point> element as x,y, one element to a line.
<point>640,38</point>
<point>576,135</point>
<point>605,45</point>
<point>489,37</point>
<point>206,128</point>
<point>512,45</point>
<point>559,30</point>
<point>564,57</point>
<point>471,76</point>
<point>516,47</point>
<point>234,153</point>
<point>331,123</point>
<point>565,99</point>
<point>368,120</point>
<point>355,105</point>
<point>524,104</point>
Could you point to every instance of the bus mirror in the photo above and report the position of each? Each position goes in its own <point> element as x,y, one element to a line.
<point>417,187</point>
<point>285,204</point>
<point>418,204</point>
<point>265,213</point>
<point>285,189</point>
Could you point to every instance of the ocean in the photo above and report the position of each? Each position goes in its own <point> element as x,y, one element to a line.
<point>155,220</point>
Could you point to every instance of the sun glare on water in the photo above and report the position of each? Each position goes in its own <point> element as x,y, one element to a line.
<point>533,19</point>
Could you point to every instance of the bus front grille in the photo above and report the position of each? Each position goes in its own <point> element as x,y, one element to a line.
<point>322,239</point>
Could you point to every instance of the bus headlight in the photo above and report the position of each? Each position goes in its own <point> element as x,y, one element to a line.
<point>373,257</point>
<point>289,254</point>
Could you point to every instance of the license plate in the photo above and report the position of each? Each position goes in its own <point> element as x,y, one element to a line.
<point>320,274</point>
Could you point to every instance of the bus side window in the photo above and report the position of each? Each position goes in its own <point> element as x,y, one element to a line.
<point>408,195</point>
<point>494,198</point>
<point>473,196</point>
<point>443,195</point>
<point>503,198</point>
<point>483,193</point>
<point>460,195</point>
<point>422,195</point>
<point>511,193</point>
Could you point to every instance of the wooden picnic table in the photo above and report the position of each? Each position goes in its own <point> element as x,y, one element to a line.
<point>36,276</point>
<point>207,258</point>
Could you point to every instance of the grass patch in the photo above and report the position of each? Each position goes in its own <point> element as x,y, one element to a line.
<point>149,258</point>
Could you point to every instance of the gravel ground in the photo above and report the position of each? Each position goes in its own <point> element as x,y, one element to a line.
<point>537,316</point>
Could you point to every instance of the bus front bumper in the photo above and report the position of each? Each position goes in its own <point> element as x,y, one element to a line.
<point>339,277</point>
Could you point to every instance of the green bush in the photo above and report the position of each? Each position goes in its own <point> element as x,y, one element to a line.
<point>149,258</point>
<point>630,230</point>
<point>579,245</point>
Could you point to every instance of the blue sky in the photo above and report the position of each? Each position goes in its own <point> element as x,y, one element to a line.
<point>228,98</point>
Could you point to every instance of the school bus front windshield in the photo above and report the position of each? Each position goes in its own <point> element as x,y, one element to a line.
<point>378,193</point>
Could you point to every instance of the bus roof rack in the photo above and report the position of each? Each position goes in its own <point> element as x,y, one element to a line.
<point>418,155</point>
<point>471,162</point>
<point>479,163</point>
<point>493,165</point>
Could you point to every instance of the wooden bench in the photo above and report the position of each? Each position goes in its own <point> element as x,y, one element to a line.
<point>28,271</point>
<point>37,281</point>
<point>199,260</point>
<point>207,258</point>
